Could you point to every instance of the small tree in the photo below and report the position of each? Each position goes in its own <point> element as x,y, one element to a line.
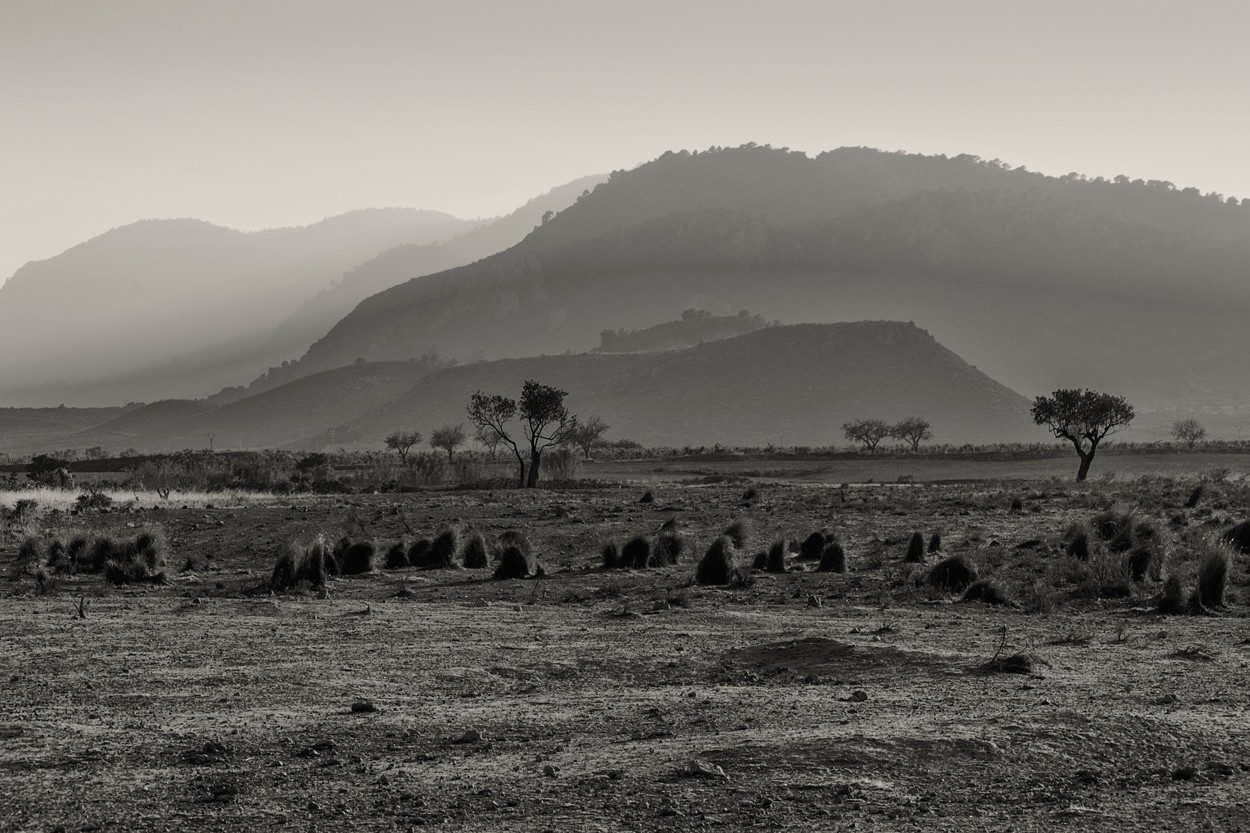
<point>488,438</point>
<point>1188,431</point>
<point>1083,418</point>
<point>870,432</point>
<point>913,431</point>
<point>587,434</point>
<point>491,414</point>
<point>402,442</point>
<point>448,437</point>
<point>544,421</point>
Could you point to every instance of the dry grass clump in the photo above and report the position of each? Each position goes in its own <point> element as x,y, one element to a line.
<point>1109,523</point>
<point>953,574</point>
<point>1238,537</point>
<point>611,555</point>
<point>1172,596</point>
<point>358,558</point>
<point>397,557</point>
<point>474,555</point>
<point>777,554</point>
<point>417,552</point>
<point>1194,497</point>
<point>636,553</point>
<point>832,559</point>
<point>138,561</point>
<point>987,591</point>
<point>668,546</point>
<point>1212,582</point>
<point>813,545</point>
<point>738,533</point>
<point>1076,540</point>
<point>935,543</point>
<point>915,549</point>
<point>439,554</point>
<point>514,556</point>
<point>298,566</point>
<point>719,565</point>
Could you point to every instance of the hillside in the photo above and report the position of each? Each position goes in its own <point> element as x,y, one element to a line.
<point>1041,281</point>
<point>162,291</point>
<point>788,385</point>
<point>694,327</point>
<point>285,415</point>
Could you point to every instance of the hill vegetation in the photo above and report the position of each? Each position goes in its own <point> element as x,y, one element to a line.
<point>694,327</point>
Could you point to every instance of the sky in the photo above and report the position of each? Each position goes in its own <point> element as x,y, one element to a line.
<point>261,113</point>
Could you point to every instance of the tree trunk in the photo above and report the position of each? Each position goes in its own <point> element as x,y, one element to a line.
<point>520,462</point>
<point>1086,459</point>
<point>535,461</point>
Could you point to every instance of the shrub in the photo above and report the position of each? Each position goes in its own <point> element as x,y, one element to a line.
<point>1194,497</point>
<point>751,495</point>
<point>636,553</point>
<point>75,552</point>
<point>647,497</point>
<point>57,559</point>
<point>474,556</point>
<point>397,557</point>
<point>777,556</point>
<point>738,532</point>
<point>668,547</point>
<point>760,560</point>
<point>418,551</point>
<point>1212,579</point>
<point>1238,537</point>
<point>514,562</point>
<point>987,591</point>
<point>814,544</point>
<point>832,559</point>
<point>612,556</point>
<point>719,564</point>
<point>100,551</point>
<point>1172,597</point>
<point>1139,561</point>
<point>1109,523</point>
<point>915,549</point>
<point>358,558</point>
<point>512,538</point>
<point>445,548</point>
<point>137,561</point>
<point>315,564</point>
<point>1076,541</point>
<point>1017,505</point>
<point>284,568</point>
<point>953,574</point>
<point>1122,541</point>
<point>935,543</point>
<point>30,556</point>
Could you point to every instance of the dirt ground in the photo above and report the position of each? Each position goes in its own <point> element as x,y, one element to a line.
<point>600,700</point>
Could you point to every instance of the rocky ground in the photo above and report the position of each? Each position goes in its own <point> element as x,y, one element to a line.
<point>595,699</point>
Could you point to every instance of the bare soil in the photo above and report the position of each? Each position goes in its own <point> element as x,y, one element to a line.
<point>597,700</point>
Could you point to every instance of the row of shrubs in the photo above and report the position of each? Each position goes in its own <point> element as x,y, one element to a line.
<point>121,561</point>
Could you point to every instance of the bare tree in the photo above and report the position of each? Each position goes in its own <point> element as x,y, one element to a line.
<point>491,413</point>
<point>544,421</point>
<point>488,438</point>
<point>402,442</point>
<point>587,434</point>
<point>448,437</point>
<point>1084,418</point>
<point>870,432</point>
<point>914,430</point>
<point>1188,431</point>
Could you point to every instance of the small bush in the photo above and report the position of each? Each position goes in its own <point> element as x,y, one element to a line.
<point>832,559</point>
<point>1172,597</point>
<point>1122,541</point>
<point>358,558</point>
<point>397,557</point>
<point>987,591</point>
<point>612,556</point>
<point>814,544</point>
<point>1212,579</point>
<point>953,574</point>
<point>418,552</point>
<point>1017,506</point>
<point>57,559</point>
<point>1194,497</point>
<point>284,568</point>
<point>738,533</point>
<point>668,547</point>
<point>760,560</point>
<point>637,553</point>
<point>915,549</point>
<point>1108,524</point>
<point>647,497</point>
<point>314,567</point>
<point>445,548</point>
<point>777,556</point>
<point>751,495</point>
<point>935,543</point>
<point>1139,562</point>
<point>30,556</point>
<point>1076,541</point>
<point>137,561</point>
<point>474,556</point>
<point>719,564</point>
<point>1238,537</point>
<point>514,562</point>
<point>76,551</point>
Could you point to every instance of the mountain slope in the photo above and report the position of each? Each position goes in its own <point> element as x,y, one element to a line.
<point>1045,282</point>
<point>156,290</point>
<point>792,385</point>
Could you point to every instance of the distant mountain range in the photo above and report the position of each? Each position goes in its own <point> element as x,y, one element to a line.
<point>792,385</point>
<point>1129,286</point>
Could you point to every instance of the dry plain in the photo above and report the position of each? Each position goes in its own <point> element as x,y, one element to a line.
<point>595,699</point>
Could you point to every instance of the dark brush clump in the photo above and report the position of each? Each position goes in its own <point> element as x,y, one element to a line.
<point>283,575</point>
<point>1238,537</point>
<point>1212,580</point>
<point>1017,505</point>
<point>1122,541</point>
<point>76,551</point>
<point>136,562</point>
<point>397,557</point>
<point>1172,597</point>
<point>669,526</point>
<point>1194,497</point>
<point>474,555</point>
<point>719,565</point>
<point>987,591</point>
<point>760,560</point>
<point>418,552</point>
<point>314,566</point>
<point>1108,524</point>
<point>935,543</point>
<point>358,558</point>
<point>647,497</point>
<point>668,547</point>
<point>636,553</point>
<point>751,495</point>
<point>445,548</point>
<point>514,562</point>
<point>57,558</point>
<point>832,559</point>
<point>1076,541</point>
<point>953,574</point>
<point>915,549</point>
<point>612,556</point>
<point>1139,561</point>
<point>30,556</point>
<point>777,556</point>
<point>738,532</point>
<point>813,545</point>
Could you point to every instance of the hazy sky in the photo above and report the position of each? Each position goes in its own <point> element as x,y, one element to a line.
<point>257,113</point>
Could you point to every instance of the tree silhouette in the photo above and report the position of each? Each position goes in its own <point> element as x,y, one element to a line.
<point>1082,417</point>
<point>544,421</point>
<point>870,432</point>
<point>913,431</point>
<point>402,442</point>
<point>1188,431</point>
<point>447,437</point>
